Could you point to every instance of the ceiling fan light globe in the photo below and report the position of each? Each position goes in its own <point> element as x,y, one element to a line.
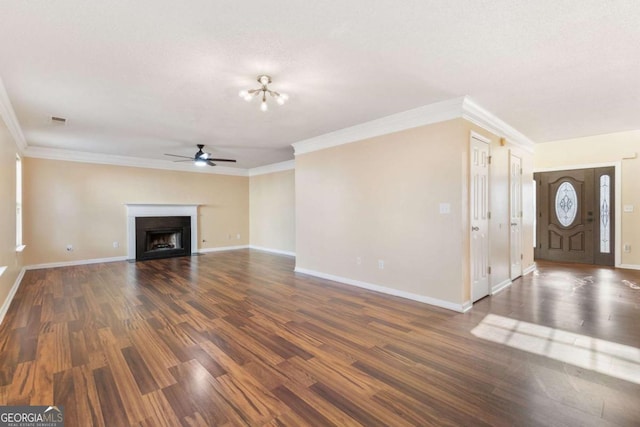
<point>200,163</point>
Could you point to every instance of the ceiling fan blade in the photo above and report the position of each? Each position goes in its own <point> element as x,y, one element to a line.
<point>178,161</point>
<point>210,163</point>
<point>175,155</point>
<point>222,160</point>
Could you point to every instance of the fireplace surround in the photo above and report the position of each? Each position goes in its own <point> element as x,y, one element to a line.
<point>182,233</point>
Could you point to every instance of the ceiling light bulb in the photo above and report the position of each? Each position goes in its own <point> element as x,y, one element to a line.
<point>280,100</point>
<point>243,94</point>
<point>264,106</point>
<point>248,97</point>
<point>264,80</point>
<point>284,96</point>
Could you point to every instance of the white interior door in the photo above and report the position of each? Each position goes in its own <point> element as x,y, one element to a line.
<point>515,215</point>
<point>479,188</point>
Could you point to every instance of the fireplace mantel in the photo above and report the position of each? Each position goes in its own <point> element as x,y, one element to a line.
<point>152,209</point>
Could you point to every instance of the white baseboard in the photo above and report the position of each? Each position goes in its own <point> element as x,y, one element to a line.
<point>12,293</point>
<point>467,306</point>
<point>222,248</point>
<point>273,251</point>
<point>500,286</point>
<point>76,262</point>
<point>117,258</point>
<point>529,269</point>
<point>630,266</point>
<point>385,290</point>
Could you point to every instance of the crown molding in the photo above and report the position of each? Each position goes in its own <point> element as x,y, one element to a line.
<point>10,119</point>
<point>486,120</point>
<point>421,116</point>
<point>272,168</point>
<point>137,162</point>
<point>463,107</point>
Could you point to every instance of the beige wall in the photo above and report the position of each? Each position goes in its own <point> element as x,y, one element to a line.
<point>8,256</point>
<point>272,206</point>
<point>378,199</point>
<point>596,150</point>
<point>84,205</point>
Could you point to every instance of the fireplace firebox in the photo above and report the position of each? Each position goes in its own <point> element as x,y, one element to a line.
<point>162,237</point>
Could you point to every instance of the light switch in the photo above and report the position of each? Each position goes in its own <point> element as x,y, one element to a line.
<point>445,208</point>
<point>628,208</point>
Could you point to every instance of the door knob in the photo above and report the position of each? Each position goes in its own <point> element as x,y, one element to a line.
<point>475,228</point>
<point>514,223</point>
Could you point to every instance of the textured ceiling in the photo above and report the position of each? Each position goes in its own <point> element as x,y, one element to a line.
<point>143,78</point>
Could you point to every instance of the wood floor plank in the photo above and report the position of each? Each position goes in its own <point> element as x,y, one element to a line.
<point>22,385</point>
<point>300,407</point>
<point>141,373</point>
<point>45,367</point>
<point>87,405</point>
<point>113,409</point>
<point>159,410</point>
<point>125,383</point>
<point>359,408</point>
<point>64,391</point>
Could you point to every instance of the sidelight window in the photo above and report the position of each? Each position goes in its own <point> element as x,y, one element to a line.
<point>605,214</point>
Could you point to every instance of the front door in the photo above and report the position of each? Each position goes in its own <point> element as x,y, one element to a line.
<point>479,196</point>
<point>575,216</point>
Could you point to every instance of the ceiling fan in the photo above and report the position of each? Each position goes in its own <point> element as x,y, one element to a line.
<point>200,158</point>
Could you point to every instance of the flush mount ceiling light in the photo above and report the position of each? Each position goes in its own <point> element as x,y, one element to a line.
<point>262,92</point>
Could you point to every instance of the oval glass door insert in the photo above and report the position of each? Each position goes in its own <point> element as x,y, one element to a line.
<point>566,204</point>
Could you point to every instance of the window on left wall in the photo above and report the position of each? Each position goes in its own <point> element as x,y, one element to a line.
<point>19,244</point>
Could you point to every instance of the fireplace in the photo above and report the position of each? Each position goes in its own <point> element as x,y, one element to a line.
<point>161,230</point>
<point>162,237</point>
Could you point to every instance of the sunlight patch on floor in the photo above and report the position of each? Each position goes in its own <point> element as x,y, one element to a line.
<point>605,357</point>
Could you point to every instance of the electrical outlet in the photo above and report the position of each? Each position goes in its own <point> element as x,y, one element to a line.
<point>238,236</point>
<point>359,260</point>
<point>627,247</point>
<point>69,248</point>
<point>116,244</point>
<point>381,264</point>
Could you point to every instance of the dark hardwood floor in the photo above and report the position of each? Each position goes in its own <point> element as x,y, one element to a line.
<point>236,338</point>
